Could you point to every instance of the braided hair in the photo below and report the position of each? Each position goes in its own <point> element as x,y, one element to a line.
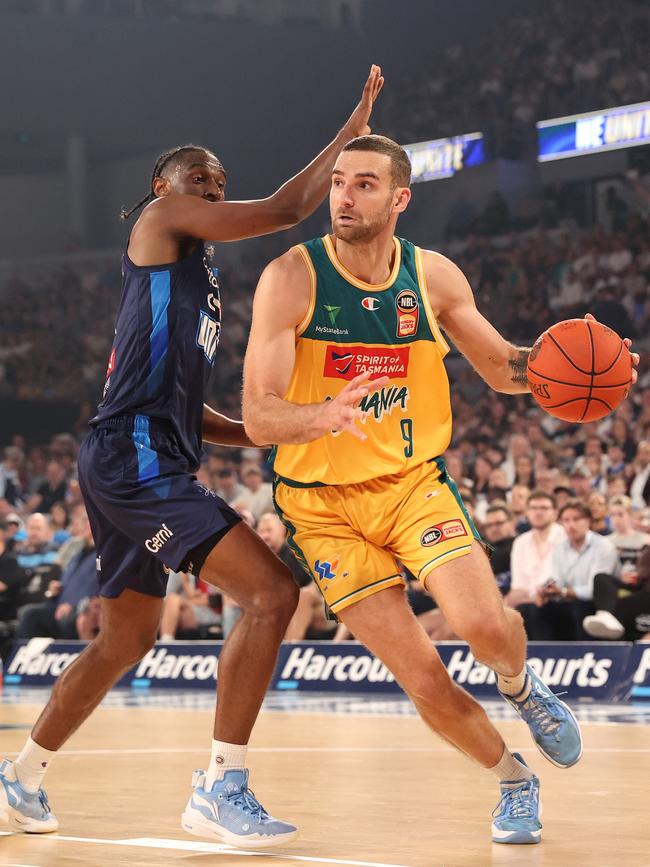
<point>160,165</point>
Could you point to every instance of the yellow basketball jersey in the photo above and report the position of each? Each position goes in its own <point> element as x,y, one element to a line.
<point>352,327</point>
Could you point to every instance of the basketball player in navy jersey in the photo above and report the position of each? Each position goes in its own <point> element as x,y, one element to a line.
<point>148,512</point>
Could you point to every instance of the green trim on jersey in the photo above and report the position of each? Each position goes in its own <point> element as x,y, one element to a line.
<point>339,315</point>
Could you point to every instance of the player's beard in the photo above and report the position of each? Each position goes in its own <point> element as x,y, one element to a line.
<point>364,231</point>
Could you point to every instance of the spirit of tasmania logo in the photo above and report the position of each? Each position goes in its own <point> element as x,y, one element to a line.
<point>346,362</point>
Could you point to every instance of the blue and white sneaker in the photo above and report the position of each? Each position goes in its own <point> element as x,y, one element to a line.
<point>22,810</point>
<point>551,722</point>
<point>230,813</point>
<point>516,816</point>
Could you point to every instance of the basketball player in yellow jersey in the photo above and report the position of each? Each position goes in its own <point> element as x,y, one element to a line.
<point>344,372</point>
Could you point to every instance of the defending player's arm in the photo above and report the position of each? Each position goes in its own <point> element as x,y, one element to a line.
<point>220,430</point>
<point>502,365</point>
<point>281,303</point>
<point>291,203</point>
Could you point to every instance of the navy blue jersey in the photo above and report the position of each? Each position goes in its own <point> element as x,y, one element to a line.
<point>166,338</point>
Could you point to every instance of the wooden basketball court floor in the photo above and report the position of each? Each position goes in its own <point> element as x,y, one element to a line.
<point>364,779</point>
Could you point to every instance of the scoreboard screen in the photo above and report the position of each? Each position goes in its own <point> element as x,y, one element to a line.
<point>613,128</point>
<point>443,157</point>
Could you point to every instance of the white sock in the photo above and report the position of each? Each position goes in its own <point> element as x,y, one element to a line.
<point>32,764</point>
<point>166,637</point>
<point>510,769</point>
<point>517,686</point>
<point>224,757</point>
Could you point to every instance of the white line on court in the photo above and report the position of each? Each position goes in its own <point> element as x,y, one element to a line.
<point>209,848</point>
<point>140,751</point>
<point>20,865</point>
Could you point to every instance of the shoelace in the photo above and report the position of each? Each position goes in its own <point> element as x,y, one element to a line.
<point>245,799</point>
<point>545,711</point>
<point>518,803</point>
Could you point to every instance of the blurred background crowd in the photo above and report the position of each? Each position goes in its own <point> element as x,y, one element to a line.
<point>533,66</point>
<point>564,508</point>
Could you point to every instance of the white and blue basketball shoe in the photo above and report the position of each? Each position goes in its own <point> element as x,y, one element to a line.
<point>22,810</point>
<point>551,722</point>
<point>516,816</point>
<point>230,813</point>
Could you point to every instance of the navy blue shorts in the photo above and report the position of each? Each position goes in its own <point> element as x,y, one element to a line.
<point>146,509</point>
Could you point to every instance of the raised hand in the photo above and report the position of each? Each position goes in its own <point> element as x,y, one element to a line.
<point>358,122</point>
<point>343,412</point>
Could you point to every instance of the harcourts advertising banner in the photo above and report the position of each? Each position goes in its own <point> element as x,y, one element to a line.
<point>598,671</point>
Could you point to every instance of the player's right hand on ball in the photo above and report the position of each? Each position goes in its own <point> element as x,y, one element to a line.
<point>343,412</point>
<point>358,123</point>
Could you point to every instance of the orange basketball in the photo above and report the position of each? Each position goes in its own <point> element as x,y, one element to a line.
<point>579,370</point>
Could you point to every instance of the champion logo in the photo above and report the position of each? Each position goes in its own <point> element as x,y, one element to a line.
<point>370,303</point>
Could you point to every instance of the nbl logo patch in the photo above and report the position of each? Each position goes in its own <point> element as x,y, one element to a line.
<point>441,532</point>
<point>407,309</point>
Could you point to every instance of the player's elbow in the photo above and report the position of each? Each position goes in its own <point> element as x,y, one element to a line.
<point>257,437</point>
<point>254,426</point>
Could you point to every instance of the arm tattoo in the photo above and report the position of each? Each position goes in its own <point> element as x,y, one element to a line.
<point>519,366</point>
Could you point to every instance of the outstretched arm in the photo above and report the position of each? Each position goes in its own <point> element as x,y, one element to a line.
<point>281,303</point>
<point>502,365</point>
<point>293,202</point>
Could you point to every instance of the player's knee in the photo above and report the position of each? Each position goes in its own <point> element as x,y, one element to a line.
<point>129,646</point>
<point>432,688</point>
<point>487,635</point>
<point>276,602</point>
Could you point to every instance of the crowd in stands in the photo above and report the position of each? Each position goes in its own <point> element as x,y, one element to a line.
<point>536,486</point>
<point>564,507</point>
<point>542,63</point>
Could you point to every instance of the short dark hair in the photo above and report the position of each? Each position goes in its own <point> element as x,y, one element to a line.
<point>577,506</point>
<point>379,144</point>
<point>538,494</point>
<point>165,161</point>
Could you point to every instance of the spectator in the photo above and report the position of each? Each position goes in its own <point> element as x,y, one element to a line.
<point>581,482</point>
<point>257,495</point>
<point>10,485</point>
<point>14,531</point>
<point>567,598</point>
<point>524,473</point>
<point>620,433</point>
<point>37,558</point>
<point>56,615</point>
<point>518,506</point>
<point>59,519</point>
<point>499,530</point>
<point>640,486</point>
<point>10,581</point>
<point>530,560</point>
<point>600,521</point>
<point>622,617</point>
<point>51,491</point>
<point>228,485</point>
<point>629,544</point>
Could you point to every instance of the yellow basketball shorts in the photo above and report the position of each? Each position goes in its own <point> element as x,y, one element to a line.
<point>349,537</point>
